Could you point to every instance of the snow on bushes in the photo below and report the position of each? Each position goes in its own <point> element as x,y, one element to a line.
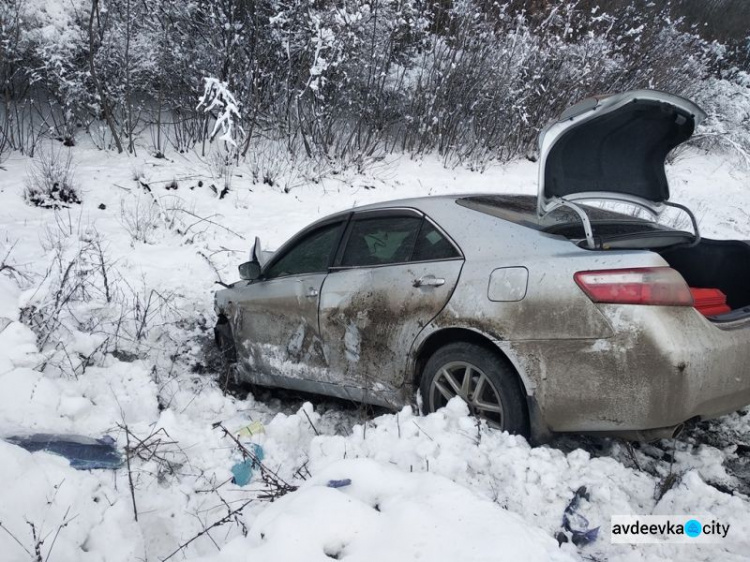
<point>472,80</point>
<point>727,128</point>
<point>50,182</point>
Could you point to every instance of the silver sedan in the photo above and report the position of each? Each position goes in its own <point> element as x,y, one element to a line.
<point>544,314</point>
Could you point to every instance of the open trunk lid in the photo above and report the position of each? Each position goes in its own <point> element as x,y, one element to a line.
<point>614,148</point>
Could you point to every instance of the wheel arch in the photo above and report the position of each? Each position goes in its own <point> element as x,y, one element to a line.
<point>224,338</point>
<point>540,433</point>
<point>441,337</point>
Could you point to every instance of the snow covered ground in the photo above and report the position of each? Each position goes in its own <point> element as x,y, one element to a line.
<point>119,293</point>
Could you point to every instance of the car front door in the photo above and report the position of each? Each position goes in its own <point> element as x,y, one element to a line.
<point>393,274</point>
<point>277,316</point>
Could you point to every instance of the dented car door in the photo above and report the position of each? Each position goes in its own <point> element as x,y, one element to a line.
<point>394,273</point>
<point>276,318</point>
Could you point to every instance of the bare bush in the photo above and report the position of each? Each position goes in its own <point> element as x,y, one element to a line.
<point>284,167</point>
<point>156,455</point>
<point>50,181</point>
<point>343,84</point>
<point>143,309</point>
<point>137,173</point>
<point>42,541</point>
<point>222,167</point>
<point>139,215</point>
<point>82,292</point>
<point>14,270</point>
<point>73,296</point>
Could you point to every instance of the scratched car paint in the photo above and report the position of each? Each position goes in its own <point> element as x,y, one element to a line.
<point>522,306</point>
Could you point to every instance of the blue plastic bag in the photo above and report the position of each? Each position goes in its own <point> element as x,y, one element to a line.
<point>242,472</point>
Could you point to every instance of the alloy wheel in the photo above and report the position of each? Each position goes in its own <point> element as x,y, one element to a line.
<point>463,379</point>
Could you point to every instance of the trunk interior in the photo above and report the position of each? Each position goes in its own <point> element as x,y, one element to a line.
<point>716,264</point>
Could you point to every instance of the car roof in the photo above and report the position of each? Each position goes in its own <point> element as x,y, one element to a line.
<point>520,209</point>
<point>415,202</point>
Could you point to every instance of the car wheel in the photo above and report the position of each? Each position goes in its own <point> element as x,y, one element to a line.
<point>483,379</point>
<point>225,341</point>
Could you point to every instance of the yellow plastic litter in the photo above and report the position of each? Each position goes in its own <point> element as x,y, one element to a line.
<point>254,428</point>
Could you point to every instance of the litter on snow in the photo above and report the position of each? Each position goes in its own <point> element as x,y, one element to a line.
<point>339,483</point>
<point>84,453</point>
<point>251,429</point>
<point>242,471</point>
<point>575,523</point>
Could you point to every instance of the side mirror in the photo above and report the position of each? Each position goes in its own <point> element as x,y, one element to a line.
<point>250,270</point>
<point>257,253</point>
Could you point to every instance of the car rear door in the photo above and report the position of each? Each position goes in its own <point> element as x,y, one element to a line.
<point>277,316</point>
<point>394,272</point>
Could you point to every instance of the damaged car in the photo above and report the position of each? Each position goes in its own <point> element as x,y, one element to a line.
<point>544,314</point>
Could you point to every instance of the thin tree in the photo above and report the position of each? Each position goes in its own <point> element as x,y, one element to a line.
<point>98,86</point>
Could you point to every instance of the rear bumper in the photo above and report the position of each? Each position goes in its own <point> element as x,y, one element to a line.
<point>663,366</point>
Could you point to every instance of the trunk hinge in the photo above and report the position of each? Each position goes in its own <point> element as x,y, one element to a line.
<point>697,239</point>
<point>587,229</point>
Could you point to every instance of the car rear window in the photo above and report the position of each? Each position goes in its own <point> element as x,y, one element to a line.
<point>521,209</point>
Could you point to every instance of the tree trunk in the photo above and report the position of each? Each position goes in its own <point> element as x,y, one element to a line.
<point>97,83</point>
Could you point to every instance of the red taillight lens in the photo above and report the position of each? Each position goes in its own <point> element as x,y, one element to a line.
<point>644,285</point>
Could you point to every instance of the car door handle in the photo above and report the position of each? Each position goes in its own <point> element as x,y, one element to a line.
<point>312,293</point>
<point>429,281</point>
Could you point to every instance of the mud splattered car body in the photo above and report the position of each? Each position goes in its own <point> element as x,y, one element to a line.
<point>590,310</point>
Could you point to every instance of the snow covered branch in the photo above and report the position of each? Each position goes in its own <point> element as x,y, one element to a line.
<point>218,101</point>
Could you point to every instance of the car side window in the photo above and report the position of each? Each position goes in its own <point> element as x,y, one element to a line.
<point>432,245</point>
<point>309,255</point>
<point>380,241</point>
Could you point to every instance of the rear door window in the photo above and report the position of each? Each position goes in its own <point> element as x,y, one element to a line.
<point>381,241</point>
<point>432,245</point>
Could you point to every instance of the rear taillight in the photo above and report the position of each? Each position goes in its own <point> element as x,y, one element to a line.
<point>643,285</point>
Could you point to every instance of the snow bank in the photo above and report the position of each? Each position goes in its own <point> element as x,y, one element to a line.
<point>388,514</point>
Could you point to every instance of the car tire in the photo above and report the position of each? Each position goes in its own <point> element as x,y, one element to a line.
<point>225,341</point>
<point>500,399</point>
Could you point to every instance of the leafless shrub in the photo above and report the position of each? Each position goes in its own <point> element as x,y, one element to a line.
<point>275,486</point>
<point>38,551</point>
<point>39,539</point>
<point>65,281</point>
<point>171,212</point>
<point>139,215</point>
<point>222,166</point>
<point>671,480</point>
<point>155,449</point>
<point>50,181</point>
<point>285,168</point>
<point>75,294</point>
<point>14,270</point>
<point>141,310</point>
<point>160,448</point>
<point>143,213</point>
<point>137,173</point>
<point>233,515</point>
<point>156,456</point>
